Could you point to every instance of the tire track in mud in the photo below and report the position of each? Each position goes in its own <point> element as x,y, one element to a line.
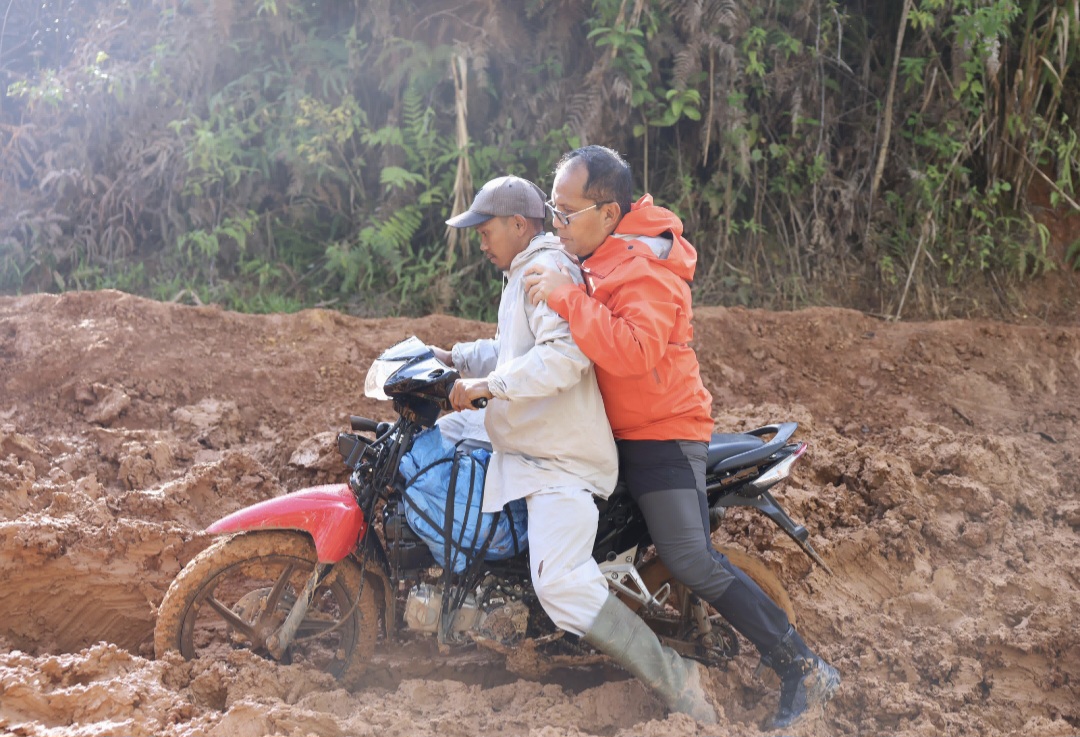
<point>938,487</point>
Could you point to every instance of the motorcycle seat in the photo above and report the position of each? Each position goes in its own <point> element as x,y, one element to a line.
<point>725,445</point>
<point>728,451</point>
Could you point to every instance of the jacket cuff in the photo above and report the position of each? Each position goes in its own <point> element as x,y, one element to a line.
<point>497,386</point>
<point>456,359</point>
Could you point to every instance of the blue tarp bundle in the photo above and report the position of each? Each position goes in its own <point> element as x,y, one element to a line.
<point>429,467</point>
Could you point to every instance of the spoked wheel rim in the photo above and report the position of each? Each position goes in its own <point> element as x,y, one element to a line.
<point>244,604</point>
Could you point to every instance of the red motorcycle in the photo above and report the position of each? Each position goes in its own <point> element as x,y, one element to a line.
<point>323,574</point>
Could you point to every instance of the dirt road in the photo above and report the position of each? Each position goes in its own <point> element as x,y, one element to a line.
<point>940,486</point>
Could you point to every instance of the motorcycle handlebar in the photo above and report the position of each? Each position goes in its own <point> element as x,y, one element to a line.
<point>478,403</point>
<point>362,424</point>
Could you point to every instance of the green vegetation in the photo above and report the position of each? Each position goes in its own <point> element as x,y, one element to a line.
<point>278,155</point>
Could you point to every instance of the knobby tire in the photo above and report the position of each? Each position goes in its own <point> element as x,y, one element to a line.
<point>188,623</point>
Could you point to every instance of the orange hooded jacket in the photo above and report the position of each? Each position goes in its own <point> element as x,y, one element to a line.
<point>634,323</point>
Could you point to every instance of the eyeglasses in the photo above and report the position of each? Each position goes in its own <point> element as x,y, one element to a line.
<point>565,218</point>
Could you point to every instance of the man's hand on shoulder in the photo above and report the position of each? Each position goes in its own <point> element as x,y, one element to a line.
<point>541,281</point>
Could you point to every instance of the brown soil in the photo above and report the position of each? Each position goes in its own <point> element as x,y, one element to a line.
<point>940,487</point>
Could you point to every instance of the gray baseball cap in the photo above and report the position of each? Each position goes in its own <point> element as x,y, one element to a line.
<point>502,197</point>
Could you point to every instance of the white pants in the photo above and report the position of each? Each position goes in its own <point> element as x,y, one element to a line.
<point>568,582</point>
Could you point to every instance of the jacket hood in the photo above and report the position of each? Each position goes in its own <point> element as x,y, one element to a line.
<point>649,220</point>
<point>539,242</point>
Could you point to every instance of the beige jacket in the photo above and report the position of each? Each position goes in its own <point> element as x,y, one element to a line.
<point>547,423</point>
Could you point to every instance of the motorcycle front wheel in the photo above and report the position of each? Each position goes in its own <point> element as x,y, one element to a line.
<point>236,594</point>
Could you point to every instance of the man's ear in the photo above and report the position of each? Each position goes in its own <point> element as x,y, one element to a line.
<point>612,215</point>
<point>520,223</point>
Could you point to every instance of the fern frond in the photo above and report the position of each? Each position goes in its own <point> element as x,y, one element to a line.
<point>722,14</point>
<point>688,14</point>
<point>687,63</point>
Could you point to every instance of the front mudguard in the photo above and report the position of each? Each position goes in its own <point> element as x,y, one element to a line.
<point>328,513</point>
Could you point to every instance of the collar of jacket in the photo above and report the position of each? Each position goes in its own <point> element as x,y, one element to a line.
<point>540,242</point>
<point>613,251</point>
<point>644,221</point>
<point>640,234</point>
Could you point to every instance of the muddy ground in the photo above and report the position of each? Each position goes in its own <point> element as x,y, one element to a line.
<point>940,487</point>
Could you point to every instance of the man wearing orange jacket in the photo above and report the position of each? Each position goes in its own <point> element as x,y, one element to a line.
<point>632,317</point>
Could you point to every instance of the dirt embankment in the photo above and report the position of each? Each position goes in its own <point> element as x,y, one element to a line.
<point>940,486</point>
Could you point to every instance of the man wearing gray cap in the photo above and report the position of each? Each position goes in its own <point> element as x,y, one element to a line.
<point>552,444</point>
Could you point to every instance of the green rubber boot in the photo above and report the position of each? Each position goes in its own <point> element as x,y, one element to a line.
<point>622,636</point>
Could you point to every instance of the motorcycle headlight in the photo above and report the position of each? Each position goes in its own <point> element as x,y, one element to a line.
<point>383,367</point>
<point>380,371</point>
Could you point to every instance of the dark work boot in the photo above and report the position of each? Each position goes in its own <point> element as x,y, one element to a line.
<point>620,634</point>
<point>806,681</point>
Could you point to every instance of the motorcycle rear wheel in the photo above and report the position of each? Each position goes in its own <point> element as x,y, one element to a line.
<point>676,620</point>
<point>760,573</point>
<point>221,601</point>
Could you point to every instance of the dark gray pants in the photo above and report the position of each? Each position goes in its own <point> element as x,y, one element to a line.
<point>667,480</point>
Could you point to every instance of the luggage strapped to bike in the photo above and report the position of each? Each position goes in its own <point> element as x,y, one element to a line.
<point>474,557</point>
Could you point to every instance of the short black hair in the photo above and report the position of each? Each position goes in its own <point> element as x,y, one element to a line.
<point>609,176</point>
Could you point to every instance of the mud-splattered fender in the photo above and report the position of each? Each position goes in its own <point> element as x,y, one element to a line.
<point>328,513</point>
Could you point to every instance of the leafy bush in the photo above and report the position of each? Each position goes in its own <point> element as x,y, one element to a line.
<point>277,155</point>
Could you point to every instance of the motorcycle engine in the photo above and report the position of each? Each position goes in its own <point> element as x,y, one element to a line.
<point>424,607</point>
<point>495,613</point>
